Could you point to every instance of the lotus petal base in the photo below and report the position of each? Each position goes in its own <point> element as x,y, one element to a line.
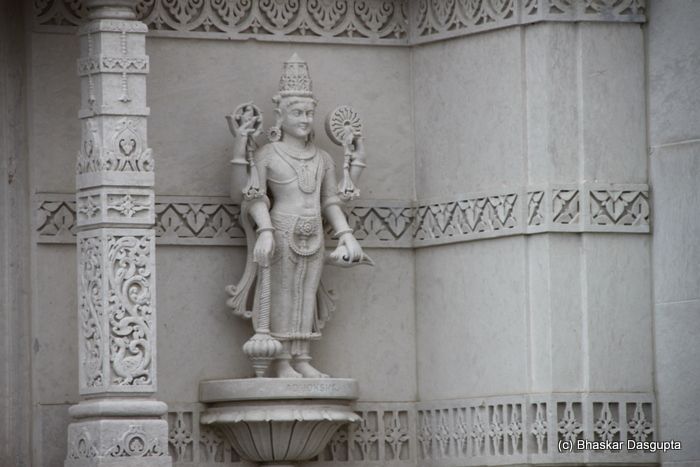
<point>279,421</point>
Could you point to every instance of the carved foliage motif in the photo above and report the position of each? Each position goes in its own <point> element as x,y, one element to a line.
<point>81,446</point>
<point>346,20</point>
<point>128,205</point>
<point>128,150</point>
<point>435,19</point>
<point>91,311</point>
<point>135,443</point>
<point>131,313</point>
<point>90,154</point>
<point>125,150</point>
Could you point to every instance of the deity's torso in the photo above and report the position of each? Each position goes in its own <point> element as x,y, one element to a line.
<point>295,177</point>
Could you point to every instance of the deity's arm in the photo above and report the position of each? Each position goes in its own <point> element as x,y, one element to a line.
<point>259,208</point>
<point>358,160</point>
<point>330,201</point>
<point>239,161</point>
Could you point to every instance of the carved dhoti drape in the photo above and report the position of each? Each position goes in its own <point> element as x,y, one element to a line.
<point>295,273</point>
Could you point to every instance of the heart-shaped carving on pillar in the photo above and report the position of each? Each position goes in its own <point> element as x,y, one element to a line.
<point>127,146</point>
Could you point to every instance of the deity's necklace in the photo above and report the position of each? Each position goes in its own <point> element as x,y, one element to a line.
<point>305,166</point>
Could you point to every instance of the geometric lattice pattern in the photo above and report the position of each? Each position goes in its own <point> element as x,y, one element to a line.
<point>394,224</point>
<point>493,430</point>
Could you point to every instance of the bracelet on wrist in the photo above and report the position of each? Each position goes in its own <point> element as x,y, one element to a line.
<point>342,232</point>
<point>265,229</point>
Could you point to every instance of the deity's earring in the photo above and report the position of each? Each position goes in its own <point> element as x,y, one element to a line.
<point>274,133</point>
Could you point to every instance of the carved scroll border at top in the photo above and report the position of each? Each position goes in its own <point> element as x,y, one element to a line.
<point>587,207</point>
<point>373,22</point>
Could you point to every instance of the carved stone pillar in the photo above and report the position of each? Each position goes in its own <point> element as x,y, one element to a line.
<point>117,423</point>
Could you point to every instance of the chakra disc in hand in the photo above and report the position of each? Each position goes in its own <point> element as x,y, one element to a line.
<point>247,111</point>
<point>342,122</point>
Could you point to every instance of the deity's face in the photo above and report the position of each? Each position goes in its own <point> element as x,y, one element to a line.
<point>297,117</point>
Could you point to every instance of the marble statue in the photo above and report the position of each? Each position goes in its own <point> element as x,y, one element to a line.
<point>287,188</point>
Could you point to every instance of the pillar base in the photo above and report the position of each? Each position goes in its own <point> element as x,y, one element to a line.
<point>118,432</point>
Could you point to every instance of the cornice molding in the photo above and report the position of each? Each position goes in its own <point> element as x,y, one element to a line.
<point>211,221</point>
<point>371,22</point>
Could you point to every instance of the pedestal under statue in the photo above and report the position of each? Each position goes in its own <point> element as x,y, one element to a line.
<point>287,188</point>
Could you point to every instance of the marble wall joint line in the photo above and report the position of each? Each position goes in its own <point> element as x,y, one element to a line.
<point>371,22</point>
<point>503,430</point>
<point>183,220</point>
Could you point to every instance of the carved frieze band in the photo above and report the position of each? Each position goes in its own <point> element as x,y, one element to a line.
<point>442,19</point>
<point>616,208</point>
<point>485,431</point>
<point>349,21</point>
<point>115,439</point>
<point>381,22</point>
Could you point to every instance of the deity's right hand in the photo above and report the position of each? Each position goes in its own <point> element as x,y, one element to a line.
<point>264,247</point>
<point>242,126</point>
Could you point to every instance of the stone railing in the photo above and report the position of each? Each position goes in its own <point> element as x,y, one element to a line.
<point>504,430</point>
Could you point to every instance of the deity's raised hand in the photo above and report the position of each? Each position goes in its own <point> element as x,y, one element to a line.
<point>244,121</point>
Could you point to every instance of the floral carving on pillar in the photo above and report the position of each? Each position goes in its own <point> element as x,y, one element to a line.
<point>90,312</point>
<point>130,308</point>
<point>135,442</point>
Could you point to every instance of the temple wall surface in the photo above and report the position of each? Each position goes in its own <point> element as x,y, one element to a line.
<point>192,84</point>
<point>673,57</point>
<point>529,204</point>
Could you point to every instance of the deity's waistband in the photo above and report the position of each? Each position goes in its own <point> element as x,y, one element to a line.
<point>286,222</point>
<point>304,233</point>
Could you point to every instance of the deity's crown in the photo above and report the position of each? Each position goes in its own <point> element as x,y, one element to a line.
<point>295,80</point>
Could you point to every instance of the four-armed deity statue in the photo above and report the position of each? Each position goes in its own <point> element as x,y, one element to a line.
<point>288,188</point>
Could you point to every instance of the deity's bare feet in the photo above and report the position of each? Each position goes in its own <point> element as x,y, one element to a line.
<point>284,370</point>
<point>307,371</point>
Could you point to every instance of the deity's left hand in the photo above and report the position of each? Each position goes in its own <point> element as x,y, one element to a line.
<point>353,247</point>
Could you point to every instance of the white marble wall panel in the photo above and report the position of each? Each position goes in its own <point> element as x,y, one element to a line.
<point>555,307</point>
<point>188,134</point>
<point>471,319</point>
<point>193,84</point>
<point>673,56</point>
<point>374,322</point>
<point>198,338</point>
<point>55,326</point>
<point>611,106</point>
<point>676,330</point>
<point>675,172</point>
<point>50,433</point>
<point>618,322</point>
<point>468,122</point>
<point>552,101</point>
<point>55,128</point>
